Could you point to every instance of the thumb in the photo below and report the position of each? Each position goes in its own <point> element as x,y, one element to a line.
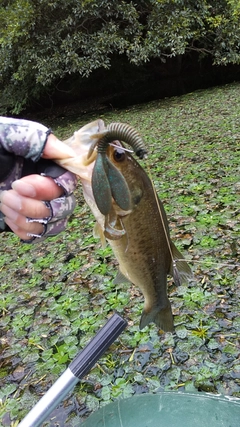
<point>56,149</point>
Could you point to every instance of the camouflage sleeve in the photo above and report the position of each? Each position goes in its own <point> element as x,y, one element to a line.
<point>23,137</point>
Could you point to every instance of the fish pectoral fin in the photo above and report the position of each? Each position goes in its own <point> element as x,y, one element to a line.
<point>113,227</point>
<point>120,278</point>
<point>98,233</point>
<point>179,270</point>
<point>161,316</point>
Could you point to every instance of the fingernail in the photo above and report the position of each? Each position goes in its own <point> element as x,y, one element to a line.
<point>2,194</point>
<point>10,213</point>
<point>24,188</point>
<point>11,224</point>
<point>13,201</point>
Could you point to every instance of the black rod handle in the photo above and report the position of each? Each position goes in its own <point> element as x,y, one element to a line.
<point>79,367</point>
<point>87,358</point>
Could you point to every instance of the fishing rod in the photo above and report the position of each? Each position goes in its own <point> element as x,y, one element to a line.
<point>77,369</point>
<point>175,261</point>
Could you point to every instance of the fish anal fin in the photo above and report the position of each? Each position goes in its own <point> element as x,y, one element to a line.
<point>120,278</point>
<point>161,316</point>
<point>179,270</point>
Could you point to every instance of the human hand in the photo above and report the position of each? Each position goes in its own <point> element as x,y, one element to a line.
<point>25,201</point>
<point>56,149</point>
<point>37,206</point>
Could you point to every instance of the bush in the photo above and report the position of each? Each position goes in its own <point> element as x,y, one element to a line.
<point>42,41</point>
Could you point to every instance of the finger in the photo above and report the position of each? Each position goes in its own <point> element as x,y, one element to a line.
<point>37,187</point>
<point>22,205</point>
<point>55,149</point>
<point>24,230</point>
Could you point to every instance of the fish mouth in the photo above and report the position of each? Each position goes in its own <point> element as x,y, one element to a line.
<point>117,131</point>
<point>92,140</point>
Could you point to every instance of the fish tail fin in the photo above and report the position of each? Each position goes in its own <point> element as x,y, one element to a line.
<point>179,269</point>
<point>161,316</point>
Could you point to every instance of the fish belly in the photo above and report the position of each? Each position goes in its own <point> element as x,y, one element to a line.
<point>144,260</point>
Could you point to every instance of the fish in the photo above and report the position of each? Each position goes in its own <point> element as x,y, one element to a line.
<point>137,230</point>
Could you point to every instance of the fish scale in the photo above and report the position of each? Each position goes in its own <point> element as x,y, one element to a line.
<point>139,236</point>
<point>143,254</point>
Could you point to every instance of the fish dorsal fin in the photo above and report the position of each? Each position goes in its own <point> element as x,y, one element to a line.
<point>120,278</point>
<point>179,270</point>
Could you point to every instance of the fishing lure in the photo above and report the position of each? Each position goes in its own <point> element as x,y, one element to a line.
<point>107,181</point>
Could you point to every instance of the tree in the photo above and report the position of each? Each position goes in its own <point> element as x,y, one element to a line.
<point>42,41</point>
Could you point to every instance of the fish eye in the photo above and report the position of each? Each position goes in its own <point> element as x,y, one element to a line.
<point>119,155</point>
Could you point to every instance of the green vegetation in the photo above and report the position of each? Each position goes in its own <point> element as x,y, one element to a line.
<point>56,295</point>
<point>42,42</point>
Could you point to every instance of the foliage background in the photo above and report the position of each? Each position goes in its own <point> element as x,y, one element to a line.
<point>56,295</point>
<point>53,47</point>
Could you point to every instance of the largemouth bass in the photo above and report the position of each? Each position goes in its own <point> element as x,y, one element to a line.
<point>139,234</point>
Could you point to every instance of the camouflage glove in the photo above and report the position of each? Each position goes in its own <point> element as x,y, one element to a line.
<point>60,208</point>
<point>21,146</point>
